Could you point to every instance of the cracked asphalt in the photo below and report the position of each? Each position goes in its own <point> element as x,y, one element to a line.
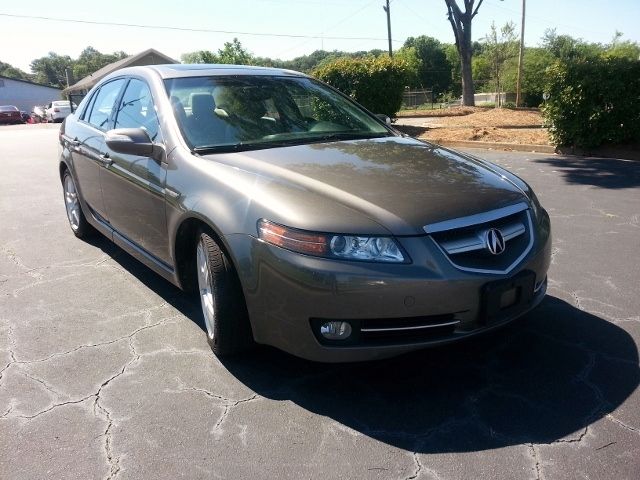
<point>105,371</point>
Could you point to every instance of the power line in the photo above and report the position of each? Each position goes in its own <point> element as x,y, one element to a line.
<point>321,34</point>
<point>184,29</point>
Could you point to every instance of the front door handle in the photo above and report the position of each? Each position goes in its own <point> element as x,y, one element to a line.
<point>75,144</point>
<point>105,160</point>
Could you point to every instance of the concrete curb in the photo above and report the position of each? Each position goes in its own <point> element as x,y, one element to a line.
<point>516,147</point>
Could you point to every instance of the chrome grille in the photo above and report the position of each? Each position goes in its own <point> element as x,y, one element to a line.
<point>462,240</point>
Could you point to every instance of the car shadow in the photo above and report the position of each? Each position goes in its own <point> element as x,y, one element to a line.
<point>187,304</point>
<point>545,377</point>
<point>599,172</point>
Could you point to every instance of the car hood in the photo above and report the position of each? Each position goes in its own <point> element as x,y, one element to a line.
<point>401,183</point>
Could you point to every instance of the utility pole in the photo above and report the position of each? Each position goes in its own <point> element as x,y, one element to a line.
<point>520,58</point>
<point>388,10</point>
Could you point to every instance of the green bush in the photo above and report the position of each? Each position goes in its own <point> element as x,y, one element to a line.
<point>593,102</point>
<point>376,83</point>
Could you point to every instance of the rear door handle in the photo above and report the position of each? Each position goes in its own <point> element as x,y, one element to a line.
<point>104,159</point>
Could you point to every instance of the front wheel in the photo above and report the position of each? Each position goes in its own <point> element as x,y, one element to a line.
<point>223,306</point>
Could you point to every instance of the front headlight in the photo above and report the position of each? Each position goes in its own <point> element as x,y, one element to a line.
<point>346,247</point>
<point>535,204</point>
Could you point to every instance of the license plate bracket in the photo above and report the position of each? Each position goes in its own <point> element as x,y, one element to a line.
<point>505,298</point>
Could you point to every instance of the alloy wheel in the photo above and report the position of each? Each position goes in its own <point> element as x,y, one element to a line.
<point>205,288</point>
<point>71,202</point>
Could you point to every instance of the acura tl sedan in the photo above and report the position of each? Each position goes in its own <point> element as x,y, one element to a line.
<point>300,219</point>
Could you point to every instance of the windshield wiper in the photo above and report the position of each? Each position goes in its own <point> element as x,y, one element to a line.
<point>236,147</point>
<point>351,135</point>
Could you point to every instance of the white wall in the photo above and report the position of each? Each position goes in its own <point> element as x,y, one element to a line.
<point>26,95</point>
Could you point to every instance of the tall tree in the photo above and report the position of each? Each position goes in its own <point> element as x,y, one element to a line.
<point>461,24</point>
<point>50,70</point>
<point>500,47</point>
<point>435,69</point>
<point>232,53</point>
<point>91,60</point>
<point>8,70</point>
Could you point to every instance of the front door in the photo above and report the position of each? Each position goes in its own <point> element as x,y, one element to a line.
<point>133,186</point>
<point>88,144</point>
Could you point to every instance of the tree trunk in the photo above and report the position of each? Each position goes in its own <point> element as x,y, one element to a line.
<point>468,98</point>
<point>461,24</point>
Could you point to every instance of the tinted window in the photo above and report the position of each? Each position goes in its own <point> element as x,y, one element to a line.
<point>136,109</point>
<point>252,112</point>
<point>103,104</point>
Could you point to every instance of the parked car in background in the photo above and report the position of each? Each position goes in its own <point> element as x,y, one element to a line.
<point>10,114</point>
<point>40,113</point>
<point>57,111</point>
<point>298,218</point>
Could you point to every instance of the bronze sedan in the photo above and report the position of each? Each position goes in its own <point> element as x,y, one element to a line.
<point>302,220</point>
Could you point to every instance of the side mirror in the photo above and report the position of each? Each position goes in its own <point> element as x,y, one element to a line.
<point>132,141</point>
<point>384,118</point>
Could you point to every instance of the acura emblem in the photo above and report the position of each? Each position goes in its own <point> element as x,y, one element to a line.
<point>494,241</point>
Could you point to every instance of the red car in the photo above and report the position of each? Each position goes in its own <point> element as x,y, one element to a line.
<point>10,114</point>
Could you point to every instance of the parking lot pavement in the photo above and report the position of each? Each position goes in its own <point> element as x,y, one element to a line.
<point>105,370</point>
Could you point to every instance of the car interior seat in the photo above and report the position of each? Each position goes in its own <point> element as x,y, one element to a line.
<point>204,127</point>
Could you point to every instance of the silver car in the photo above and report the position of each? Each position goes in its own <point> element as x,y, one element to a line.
<point>298,218</point>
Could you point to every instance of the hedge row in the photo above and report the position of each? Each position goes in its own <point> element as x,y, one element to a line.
<point>593,103</point>
<point>376,83</point>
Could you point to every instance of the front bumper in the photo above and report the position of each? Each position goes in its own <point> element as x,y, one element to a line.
<point>286,292</point>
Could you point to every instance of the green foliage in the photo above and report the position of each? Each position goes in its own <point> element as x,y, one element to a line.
<point>375,82</point>
<point>410,57</point>
<point>434,69</point>
<point>91,60</point>
<point>10,71</point>
<point>232,53</point>
<point>453,57</point>
<point>498,49</point>
<point>536,61</point>
<point>619,48</point>
<point>50,70</point>
<point>594,102</point>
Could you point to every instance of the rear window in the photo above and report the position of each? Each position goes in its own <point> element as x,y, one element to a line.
<point>8,108</point>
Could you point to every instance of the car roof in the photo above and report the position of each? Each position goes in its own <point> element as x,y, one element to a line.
<point>180,70</point>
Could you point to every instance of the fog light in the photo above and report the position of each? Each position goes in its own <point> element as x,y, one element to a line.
<point>335,330</point>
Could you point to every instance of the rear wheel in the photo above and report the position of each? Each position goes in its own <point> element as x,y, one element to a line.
<point>223,306</point>
<point>77,221</point>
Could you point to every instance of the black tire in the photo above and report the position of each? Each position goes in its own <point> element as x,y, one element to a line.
<point>80,227</point>
<point>230,331</point>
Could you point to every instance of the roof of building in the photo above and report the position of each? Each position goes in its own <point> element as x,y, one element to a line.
<point>90,80</point>
<point>29,82</point>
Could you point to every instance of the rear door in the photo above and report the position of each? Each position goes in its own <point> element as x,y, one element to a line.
<point>88,139</point>
<point>133,186</point>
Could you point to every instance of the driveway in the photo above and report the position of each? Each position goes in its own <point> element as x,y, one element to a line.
<point>106,373</point>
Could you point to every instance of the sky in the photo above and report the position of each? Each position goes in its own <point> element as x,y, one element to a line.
<point>362,23</point>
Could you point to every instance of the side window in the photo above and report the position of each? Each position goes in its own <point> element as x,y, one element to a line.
<point>103,104</point>
<point>89,106</point>
<point>136,109</point>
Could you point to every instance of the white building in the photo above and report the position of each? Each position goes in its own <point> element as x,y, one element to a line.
<point>25,95</point>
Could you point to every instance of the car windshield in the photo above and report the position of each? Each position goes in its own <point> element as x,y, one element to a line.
<point>233,113</point>
<point>8,108</point>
